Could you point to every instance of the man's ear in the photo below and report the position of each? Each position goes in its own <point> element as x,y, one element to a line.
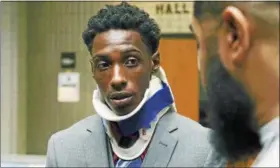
<point>92,67</point>
<point>155,61</point>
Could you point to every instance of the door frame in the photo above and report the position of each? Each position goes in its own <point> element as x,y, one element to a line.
<point>177,36</point>
<point>9,77</point>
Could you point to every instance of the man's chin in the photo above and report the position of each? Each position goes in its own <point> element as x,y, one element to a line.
<point>123,110</point>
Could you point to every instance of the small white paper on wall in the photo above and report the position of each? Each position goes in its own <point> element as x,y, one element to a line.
<point>68,87</point>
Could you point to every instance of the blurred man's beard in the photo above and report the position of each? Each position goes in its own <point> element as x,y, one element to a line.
<point>231,115</point>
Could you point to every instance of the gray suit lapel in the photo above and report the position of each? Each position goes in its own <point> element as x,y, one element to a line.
<point>110,154</point>
<point>95,146</point>
<point>163,143</point>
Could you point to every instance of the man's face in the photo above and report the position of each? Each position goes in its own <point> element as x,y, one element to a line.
<point>231,110</point>
<point>122,67</point>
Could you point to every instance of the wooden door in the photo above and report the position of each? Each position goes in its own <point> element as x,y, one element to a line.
<point>179,60</point>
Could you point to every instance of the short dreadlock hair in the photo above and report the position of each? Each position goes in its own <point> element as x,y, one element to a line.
<point>123,17</point>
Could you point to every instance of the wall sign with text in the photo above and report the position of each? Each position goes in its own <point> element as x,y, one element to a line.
<point>68,90</point>
<point>172,17</point>
<point>172,8</point>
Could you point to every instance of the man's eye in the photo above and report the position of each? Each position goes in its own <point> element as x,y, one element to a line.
<point>131,62</point>
<point>102,65</point>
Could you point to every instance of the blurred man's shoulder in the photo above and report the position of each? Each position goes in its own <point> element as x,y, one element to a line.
<point>269,156</point>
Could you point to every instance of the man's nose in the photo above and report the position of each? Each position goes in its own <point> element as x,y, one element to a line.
<point>118,81</point>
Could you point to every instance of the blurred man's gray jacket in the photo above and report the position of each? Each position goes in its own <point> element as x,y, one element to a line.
<point>269,155</point>
<point>177,142</point>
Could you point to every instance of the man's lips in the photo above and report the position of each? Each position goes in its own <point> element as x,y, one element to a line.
<point>120,99</point>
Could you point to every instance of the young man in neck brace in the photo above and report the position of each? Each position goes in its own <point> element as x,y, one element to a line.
<point>136,123</point>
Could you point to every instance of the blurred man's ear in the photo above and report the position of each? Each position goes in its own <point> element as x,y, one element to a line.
<point>237,35</point>
<point>155,61</point>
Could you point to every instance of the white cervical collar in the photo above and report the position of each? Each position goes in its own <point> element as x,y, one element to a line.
<point>145,136</point>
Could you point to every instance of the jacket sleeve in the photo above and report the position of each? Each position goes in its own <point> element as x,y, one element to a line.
<point>51,156</point>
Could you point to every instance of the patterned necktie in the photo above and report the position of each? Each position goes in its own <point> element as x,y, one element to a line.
<point>123,141</point>
<point>130,163</point>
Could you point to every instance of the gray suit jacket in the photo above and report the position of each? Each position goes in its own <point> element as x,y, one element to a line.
<point>177,142</point>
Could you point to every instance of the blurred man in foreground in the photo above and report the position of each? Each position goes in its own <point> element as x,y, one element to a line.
<point>136,123</point>
<point>239,64</point>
